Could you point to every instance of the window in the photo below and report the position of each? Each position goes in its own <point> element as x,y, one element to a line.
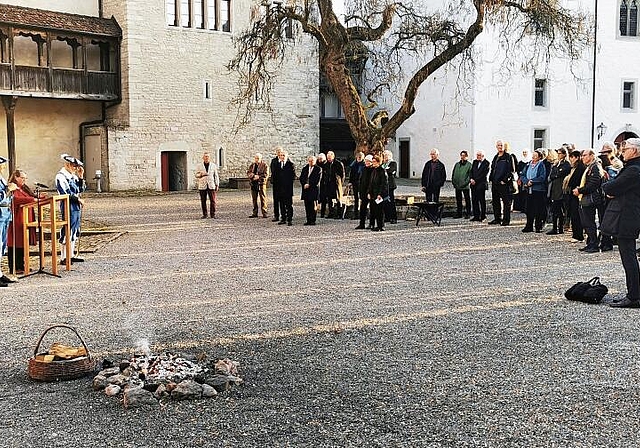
<point>170,7</point>
<point>4,47</point>
<point>330,106</point>
<point>539,138</point>
<point>628,95</point>
<point>200,14</point>
<point>185,13</point>
<point>540,93</point>
<point>288,28</point>
<point>629,18</point>
<point>225,15</point>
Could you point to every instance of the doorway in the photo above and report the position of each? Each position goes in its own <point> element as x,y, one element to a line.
<point>173,166</point>
<point>404,159</point>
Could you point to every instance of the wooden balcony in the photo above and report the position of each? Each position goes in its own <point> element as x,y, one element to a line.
<point>48,54</point>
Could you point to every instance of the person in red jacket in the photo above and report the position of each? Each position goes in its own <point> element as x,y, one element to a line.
<point>21,196</point>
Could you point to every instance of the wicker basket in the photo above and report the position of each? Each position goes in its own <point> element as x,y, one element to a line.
<point>60,370</point>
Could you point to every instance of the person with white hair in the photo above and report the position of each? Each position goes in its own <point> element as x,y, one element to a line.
<point>479,186</point>
<point>208,184</point>
<point>622,219</point>
<point>433,177</point>
<point>257,174</point>
<point>590,198</point>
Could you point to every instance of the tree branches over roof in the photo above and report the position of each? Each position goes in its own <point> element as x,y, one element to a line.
<point>531,32</point>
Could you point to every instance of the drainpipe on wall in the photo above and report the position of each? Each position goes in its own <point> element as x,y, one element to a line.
<point>100,11</point>
<point>595,65</point>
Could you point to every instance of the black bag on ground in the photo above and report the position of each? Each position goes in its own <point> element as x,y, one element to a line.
<point>588,292</point>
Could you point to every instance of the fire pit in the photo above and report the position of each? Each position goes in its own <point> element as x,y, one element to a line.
<point>147,380</point>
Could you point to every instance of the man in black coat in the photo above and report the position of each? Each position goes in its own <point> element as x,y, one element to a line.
<point>272,167</point>
<point>283,177</point>
<point>503,168</point>
<point>433,177</point>
<point>591,198</point>
<point>479,185</point>
<point>363,189</point>
<point>624,208</point>
<point>310,181</point>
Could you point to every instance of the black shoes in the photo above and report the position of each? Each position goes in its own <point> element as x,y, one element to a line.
<point>504,223</point>
<point>360,227</point>
<point>552,232</point>
<point>527,230</point>
<point>3,285</point>
<point>606,248</point>
<point>5,279</point>
<point>289,223</point>
<point>275,220</point>
<point>204,217</point>
<point>625,303</point>
<point>281,222</point>
<point>589,250</point>
<point>253,216</point>
<point>457,216</point>
<point>309,224</point>
<point>475,218</point>
<point>494,222</point>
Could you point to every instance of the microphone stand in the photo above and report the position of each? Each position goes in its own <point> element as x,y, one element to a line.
<point>40,241</point>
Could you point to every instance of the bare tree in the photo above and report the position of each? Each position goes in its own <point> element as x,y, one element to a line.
<point>386,34</point>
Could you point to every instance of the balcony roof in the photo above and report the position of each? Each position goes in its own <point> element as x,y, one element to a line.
<point>59,21</point>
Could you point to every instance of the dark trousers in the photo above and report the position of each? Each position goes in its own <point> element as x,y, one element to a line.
<point>276,205</point>
<point>390,212</point>
<point>467,202</point>
<point>536,209</point>
<point>501,198</point>
<point>627,249</point>
<point>479,202</point>
<point>364,204</point>
<point>588,219</point>
<point>432,194</point>
<point>211,194</point>
<point>355,189</point>
<point>310,210</point>
<point>18,259</point>
<point>606,241</point>
<point>377,214</point>
<point>573,211</point>
<point>286,208</point>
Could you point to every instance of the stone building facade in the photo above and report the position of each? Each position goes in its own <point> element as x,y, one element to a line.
<point>176,100</point>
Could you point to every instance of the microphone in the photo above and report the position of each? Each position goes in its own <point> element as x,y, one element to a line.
<point>38,184</point>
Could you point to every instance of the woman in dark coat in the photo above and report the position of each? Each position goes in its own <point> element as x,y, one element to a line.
<point>622,219</point>
<point>310,178</point>
<point>15,242</point>
<point>391,167</point>
<point>571,181</point>
<point>378,188</point>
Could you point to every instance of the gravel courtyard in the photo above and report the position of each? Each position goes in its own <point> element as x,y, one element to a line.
<point>451,336</point>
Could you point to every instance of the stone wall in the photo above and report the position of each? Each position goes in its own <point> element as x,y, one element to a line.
<point>164,109</point>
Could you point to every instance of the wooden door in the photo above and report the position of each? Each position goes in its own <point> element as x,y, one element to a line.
<point>404,159</point>
<point>164,169</point>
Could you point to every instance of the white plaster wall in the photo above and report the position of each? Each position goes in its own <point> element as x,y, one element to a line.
<point>164,107</point>
<point>618,60</point>
<point>45,129</point>
<point>85,7</point>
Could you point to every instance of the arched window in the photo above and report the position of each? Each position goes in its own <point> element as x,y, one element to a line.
<point>629,18</point>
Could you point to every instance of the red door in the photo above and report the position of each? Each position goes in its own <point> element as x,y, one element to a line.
<point>164,168</point>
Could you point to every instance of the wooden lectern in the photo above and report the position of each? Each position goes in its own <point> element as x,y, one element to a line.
<point>55,222</point>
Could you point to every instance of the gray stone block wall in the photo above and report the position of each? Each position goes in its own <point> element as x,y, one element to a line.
<point>164,109</point>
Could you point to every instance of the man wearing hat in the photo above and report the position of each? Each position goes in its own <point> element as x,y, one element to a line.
<point>6,191</point>
<point>72,184</point>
